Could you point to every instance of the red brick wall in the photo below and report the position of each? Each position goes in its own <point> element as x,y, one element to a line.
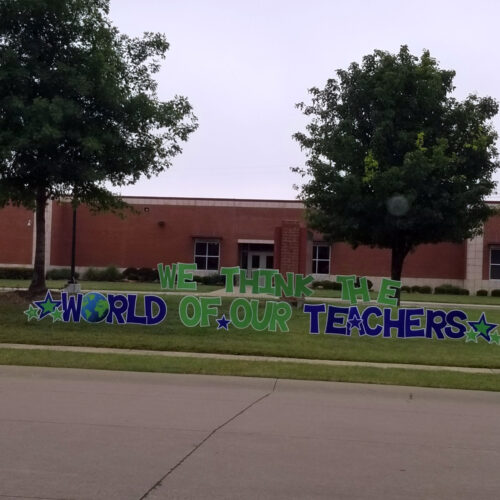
<point>16,237</point>
<point>491,237</point>
<point>441,261</point>
<point>139,240</point>
<point>290,246</point>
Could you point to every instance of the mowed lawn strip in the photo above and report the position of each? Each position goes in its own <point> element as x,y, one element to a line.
<point>172,335</point>
<point>136,286</point>
<point>281,370</point>
<point>126,286</point>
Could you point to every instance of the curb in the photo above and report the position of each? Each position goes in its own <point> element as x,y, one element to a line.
<point>237,357</point>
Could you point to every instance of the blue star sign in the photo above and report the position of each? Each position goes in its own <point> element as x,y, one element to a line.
<point>482,327</point>
<point>47,305</point>
<point>223,322</point>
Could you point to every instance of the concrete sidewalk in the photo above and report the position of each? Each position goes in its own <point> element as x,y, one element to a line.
<point>238,357</point>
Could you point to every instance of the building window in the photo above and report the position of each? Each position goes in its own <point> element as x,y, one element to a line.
<point>321,259</point>
<point>495,263</point>
<point>206,254</point>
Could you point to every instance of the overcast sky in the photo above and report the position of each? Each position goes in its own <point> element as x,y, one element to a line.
<point>244,64</point>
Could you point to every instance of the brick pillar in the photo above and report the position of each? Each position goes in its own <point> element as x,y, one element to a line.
<point>289,247</point>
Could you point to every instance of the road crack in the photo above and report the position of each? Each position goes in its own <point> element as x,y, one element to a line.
<point>160,482</point>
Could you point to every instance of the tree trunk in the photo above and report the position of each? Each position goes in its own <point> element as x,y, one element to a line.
<point>398,256</point>
<point>38,284</point>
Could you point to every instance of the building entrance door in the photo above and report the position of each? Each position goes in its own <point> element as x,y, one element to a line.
<point>259,259</point>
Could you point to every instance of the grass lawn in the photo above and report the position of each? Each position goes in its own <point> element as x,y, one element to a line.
<point>103,285</point>
<point>282,370</point>
<point>155,287</point>
<point>423,297</point>
<point>172,335</point>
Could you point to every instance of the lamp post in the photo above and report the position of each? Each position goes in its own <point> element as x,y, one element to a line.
<point>72,286</point>
<point>73,248</point>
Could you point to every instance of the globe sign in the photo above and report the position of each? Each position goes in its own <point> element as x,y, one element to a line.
<point>95,307</point>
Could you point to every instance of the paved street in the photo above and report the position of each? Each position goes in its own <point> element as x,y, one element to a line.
<point>76,434</point>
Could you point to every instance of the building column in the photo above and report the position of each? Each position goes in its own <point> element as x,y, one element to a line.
<point>474,264</point>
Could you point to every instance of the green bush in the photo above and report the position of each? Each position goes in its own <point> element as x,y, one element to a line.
<point>326,285</point>
<point>147,274</point>
<point>60,274</point>
<point>131,273</point>
<point>406,289</point>
<point>110,273</point>
<point>448,289</point>
<point>16,273</point>
<point>211,279</point>
<point>369,282</point>
<point>482,293</point>
<point>421,289</point>
<point>495,293</point>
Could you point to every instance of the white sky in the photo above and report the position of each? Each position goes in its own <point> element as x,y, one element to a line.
<point>244,64</point>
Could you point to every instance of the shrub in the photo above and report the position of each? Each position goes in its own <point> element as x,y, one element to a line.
<point>495,293</point>
<point>60,274</point>
<point>147,274</point>
<point>369,283</point>
<point>212,279</point>
<point>482,293</point>
<point>419,289</point>
<point>448,289</point>
<point>16,273</point>
<point>406,289</point>
<point>326,285</point>
<point>110,273</point>
<point>131,273</point>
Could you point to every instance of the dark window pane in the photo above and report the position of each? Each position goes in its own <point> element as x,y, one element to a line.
<point>323,267</point>
<point>244,260</point>
<point>200,248</point>
<point>323,252</point>
<point>213,263</point>
<point>213,249</point>
<point>269,262</point>
<point>315,251</point>
<point>255,261</point>
<point>201,262</point>
<point>315,267</point>
<point>495,272</point>
<point>495,256</point>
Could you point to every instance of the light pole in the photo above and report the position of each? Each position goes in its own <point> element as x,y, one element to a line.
<point>72,286</point>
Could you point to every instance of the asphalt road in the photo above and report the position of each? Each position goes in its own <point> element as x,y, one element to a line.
<point>76,434</point>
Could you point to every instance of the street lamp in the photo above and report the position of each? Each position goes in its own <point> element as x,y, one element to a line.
<point>72,286</point>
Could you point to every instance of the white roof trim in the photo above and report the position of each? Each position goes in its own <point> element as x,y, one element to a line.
<point>258,242</point>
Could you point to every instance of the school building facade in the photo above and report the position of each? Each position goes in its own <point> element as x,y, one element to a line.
<point>251,234</point>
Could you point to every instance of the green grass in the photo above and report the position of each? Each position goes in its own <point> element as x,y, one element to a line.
<point>103,285</point>
<point>155,287</point>
<point>281,370</point>
<point>423,297</point>
<point>173,336</point>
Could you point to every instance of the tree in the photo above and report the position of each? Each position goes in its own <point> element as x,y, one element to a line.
<point>393,160</point>
<point>79,108</point>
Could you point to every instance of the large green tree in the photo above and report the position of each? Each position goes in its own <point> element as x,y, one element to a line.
<point>393,159</point>
<point>79,108</point>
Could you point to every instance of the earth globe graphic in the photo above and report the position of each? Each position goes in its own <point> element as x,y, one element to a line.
<point>95,307</point>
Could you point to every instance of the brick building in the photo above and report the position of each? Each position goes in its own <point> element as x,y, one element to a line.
<point>248,233</point>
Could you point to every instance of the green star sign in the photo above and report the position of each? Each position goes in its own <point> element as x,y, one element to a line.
<point>56,315</point>
<point>471,336</point>
<point>482,327</point>
<point>495,338</point>
<point>32,312</point>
